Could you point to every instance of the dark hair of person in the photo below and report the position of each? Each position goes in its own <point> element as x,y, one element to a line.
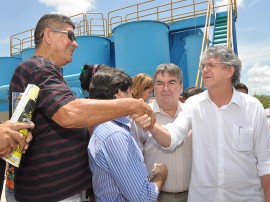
<point>103,81</point>
<point>190,91</point>
<point>239,86</point>
<point>51,21</point>
<point>87,73</point>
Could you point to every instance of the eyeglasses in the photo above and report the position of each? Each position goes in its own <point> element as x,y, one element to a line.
<point>69,34</point>
<point>210,65</point>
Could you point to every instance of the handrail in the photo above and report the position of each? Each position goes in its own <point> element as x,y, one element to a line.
<point>229,24</point>
<point>205,41</point>
<point>168,13</point>
<point>230,7</point>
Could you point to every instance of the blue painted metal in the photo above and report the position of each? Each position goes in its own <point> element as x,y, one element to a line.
<point>141,46</point>
<point>27,53</point>
<point>91,50</point>
<point>193,51</point>
<point>7,67</point>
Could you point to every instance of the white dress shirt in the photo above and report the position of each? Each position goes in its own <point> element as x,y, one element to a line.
<point>231,147</point>
<point>178,160</point>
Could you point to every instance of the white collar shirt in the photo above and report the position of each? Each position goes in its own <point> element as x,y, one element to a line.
<point>231,147</point>
<point>178,160</point>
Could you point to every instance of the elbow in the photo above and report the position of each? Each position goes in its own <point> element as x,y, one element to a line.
<point>64,119</point>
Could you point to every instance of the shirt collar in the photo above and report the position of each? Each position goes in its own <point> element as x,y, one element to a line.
<point>124,120</point>
<point>236,99</point>
<point>157,109</point>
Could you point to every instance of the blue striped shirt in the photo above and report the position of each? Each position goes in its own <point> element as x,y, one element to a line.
<point>117,164</point>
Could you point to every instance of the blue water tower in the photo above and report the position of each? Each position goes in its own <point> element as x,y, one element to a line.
<point>91,50</point>
<point>27,53</point>
<point>193,52</point>
<point>141,46</point>
<point>7,67</point>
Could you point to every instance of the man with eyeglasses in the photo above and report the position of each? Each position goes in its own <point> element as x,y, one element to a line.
<point>55,167</point>
<point>230,136</point>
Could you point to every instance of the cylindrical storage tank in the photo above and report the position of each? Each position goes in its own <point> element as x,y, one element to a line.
<point>193,51</point>
<point>91,50</point>
<point>7,67</point>
<point>141,46</point>
<point>27,53</point>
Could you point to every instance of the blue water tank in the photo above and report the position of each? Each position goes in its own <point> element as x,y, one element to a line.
<point>27,53</point>
<point>91,50</point>
<point>7,67</point>
<point>193,52</point>
<point>141,46</point>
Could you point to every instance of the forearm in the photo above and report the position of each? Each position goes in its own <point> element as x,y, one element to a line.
<point>89,112</point>
<point>159,180</point>
<point>161,135</point>
<point>266,186</point>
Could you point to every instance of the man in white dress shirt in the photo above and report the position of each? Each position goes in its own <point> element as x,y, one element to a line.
<point>166,106</point>
<point>230,136</point>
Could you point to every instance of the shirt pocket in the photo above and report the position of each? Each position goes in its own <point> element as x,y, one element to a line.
<point>243,139</point>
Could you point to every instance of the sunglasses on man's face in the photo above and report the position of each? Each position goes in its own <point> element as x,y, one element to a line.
<point>69,34</point>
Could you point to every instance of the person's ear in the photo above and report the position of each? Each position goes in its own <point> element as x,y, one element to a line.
<point>47,36</point>
<point>230,71</point>
<point>118,94</point>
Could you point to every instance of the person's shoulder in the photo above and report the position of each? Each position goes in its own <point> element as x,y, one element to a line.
<point>108,129</point>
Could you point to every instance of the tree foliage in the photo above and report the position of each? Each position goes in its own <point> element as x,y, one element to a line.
<point>264,99</point>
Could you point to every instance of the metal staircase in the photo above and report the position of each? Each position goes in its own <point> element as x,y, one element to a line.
<point>220,29</point>
<point>223,31</point>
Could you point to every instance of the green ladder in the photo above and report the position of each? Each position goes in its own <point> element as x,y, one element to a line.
<point>220,30</point>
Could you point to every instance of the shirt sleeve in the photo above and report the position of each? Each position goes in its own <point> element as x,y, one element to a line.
<point>262,143</point>
<point>180,127</point>
<point>128,169</point>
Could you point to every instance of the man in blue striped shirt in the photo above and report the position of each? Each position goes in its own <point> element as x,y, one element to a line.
<point>116,162</point>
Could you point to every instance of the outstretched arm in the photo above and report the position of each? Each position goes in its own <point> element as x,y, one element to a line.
<point>81,113</point>
<point>159,132</point>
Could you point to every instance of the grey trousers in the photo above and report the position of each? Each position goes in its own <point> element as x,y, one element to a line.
<point>173,197</point>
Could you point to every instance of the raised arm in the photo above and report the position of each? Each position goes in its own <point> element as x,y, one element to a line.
<point>89,112</point>
<point>159,132</point>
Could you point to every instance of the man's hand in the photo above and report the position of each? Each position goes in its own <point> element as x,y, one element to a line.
<point>160,169</point>
<point>144,121</point>
<point>10,137</point>
<point>160,173</point>
<point>144,115</point>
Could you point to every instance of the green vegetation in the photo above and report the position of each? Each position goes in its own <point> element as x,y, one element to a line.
<point>264,99</point>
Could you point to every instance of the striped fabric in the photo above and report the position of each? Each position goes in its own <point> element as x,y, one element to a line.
<point>117,165</point>
<point>55,166</point>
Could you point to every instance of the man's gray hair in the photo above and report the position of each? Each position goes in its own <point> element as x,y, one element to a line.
<point>226,56</point>
<point>171,69</point>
